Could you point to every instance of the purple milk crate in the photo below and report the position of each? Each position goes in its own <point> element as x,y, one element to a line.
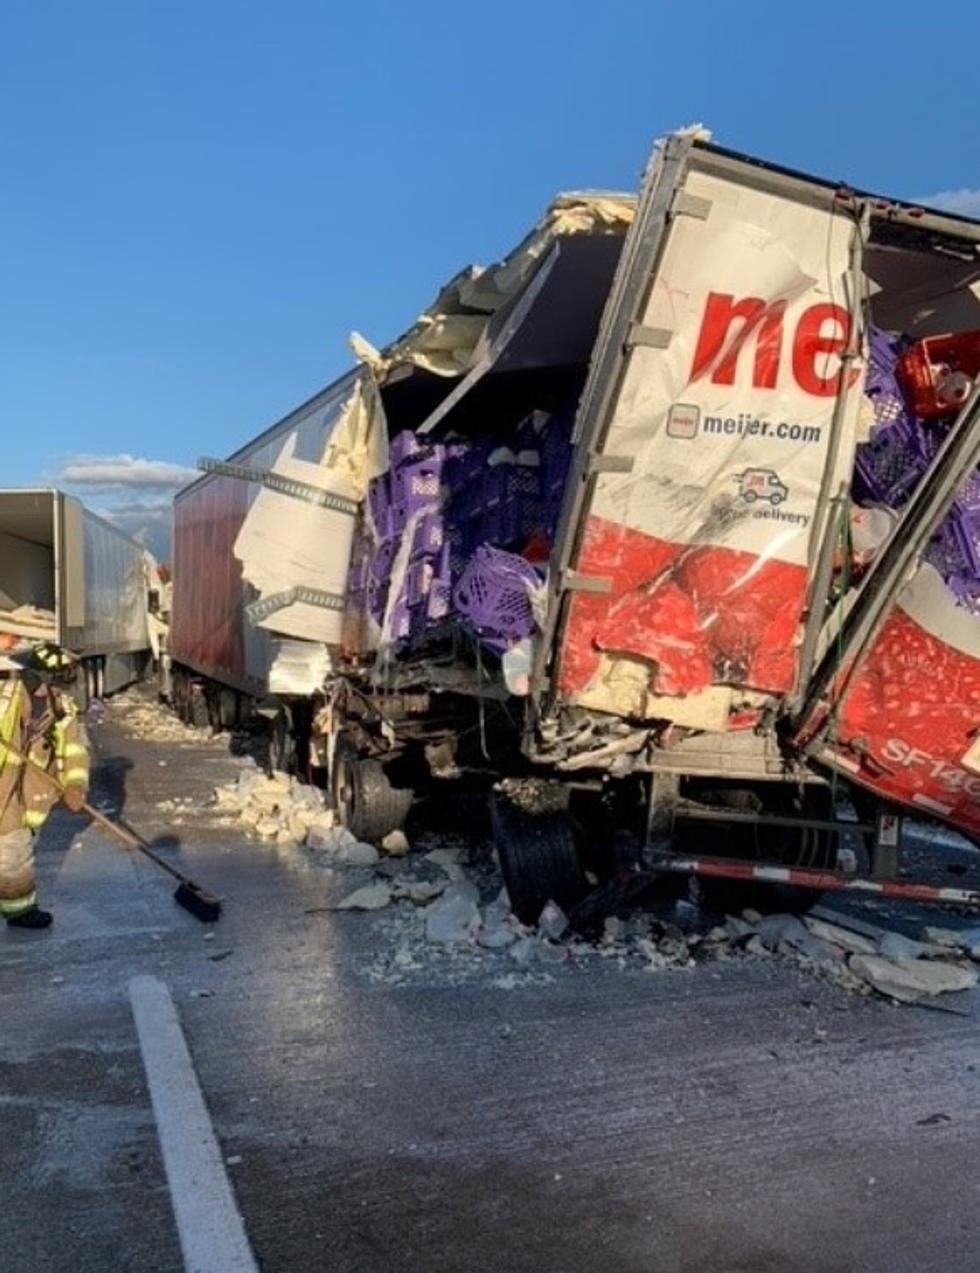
<point>418,581</point>
<point>507,523</point>
<point>465,463</point>
<point>967,593</point>
<point>494,594</point>
<point>404,446</point>
<point>418,482</point>
<point>556,456</point>
<point>531,429</point>
<point>392,522</point>
<point>881,383</point>
<point>377,598</point>
<point>966,528</point>
<point>513,509</point>
<point>381,562</point>
<point>968,496</point>
<point>462,539</point>
<point>430,535</point>
<point>379,499</point>
<point>439,602</point>
<point>510,481</point>
<point>890,465</point>
<point>466,501</point>
<point>945,552</point>
<point>930,434</point>
<point>400,623</point>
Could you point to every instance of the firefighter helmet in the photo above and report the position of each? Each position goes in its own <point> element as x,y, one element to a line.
<point>52,661</point>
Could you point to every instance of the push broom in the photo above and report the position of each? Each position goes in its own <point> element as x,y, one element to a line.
<point>198,901</point>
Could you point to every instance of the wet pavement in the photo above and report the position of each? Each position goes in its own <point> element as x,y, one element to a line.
<point>738,1116</point>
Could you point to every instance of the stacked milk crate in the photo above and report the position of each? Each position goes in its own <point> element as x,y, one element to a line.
<point>915,389</point>
<point>407,581</point>
<point>439,504</point>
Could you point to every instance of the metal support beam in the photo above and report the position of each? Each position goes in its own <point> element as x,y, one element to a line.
<point>820,881</point>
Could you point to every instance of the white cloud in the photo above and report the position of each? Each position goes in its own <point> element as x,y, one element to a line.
<point>965,201</point>
<point>117,472</point>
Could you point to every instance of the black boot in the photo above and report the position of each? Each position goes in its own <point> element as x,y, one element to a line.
<point>34,918</point>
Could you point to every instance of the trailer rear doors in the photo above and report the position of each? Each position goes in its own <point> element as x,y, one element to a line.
<point>718,421</point>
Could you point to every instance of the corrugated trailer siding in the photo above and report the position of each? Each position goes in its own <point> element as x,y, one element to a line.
<point>209,594</point>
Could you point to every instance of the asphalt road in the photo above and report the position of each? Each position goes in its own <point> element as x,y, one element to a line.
<point>739,1116</point>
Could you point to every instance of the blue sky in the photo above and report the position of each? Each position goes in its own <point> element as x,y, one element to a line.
<point>201,199</point>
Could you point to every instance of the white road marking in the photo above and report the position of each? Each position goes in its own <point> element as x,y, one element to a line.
<point>209,1224</point>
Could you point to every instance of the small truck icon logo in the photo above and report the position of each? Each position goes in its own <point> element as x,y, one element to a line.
<point>756,484</point>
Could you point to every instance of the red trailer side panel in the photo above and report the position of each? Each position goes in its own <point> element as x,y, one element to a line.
<point>209,594</point>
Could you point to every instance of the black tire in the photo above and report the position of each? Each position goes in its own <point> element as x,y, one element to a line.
<point>282,743</point>
<point>367,803</point>
<point>538,858</point>
<point>198,713</point>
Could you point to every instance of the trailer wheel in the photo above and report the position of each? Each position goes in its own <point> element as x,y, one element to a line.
<point>227,708</point>
<point>366,801</point>
<point>538,858</point>
<point>282,743</point>
<point>197,706</point>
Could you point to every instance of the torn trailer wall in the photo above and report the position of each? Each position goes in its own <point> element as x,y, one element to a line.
<point>289,521</point>
<point>281,478</point>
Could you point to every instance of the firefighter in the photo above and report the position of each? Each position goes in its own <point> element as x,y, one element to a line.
<point>38,721</point>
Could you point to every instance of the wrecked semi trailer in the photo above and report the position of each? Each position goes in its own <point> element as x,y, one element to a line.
<point>698,541</point>
<point>263,539</point>
<point>69,576</point>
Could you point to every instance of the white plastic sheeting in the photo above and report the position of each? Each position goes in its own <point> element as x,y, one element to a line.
<point>290,539</point>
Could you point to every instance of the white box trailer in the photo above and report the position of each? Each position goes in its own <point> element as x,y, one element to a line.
<point>72,577</point>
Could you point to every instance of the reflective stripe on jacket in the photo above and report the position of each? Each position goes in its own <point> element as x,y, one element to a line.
<point>41,724</point>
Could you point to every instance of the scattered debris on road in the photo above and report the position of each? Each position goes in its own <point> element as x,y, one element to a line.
<point>142,717</point>
<point>446,909</point>
<point>445,905</point>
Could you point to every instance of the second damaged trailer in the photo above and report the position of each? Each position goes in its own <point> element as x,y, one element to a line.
<point>677,518</point>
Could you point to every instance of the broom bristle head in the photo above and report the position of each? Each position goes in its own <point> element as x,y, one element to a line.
<point>201,905</point>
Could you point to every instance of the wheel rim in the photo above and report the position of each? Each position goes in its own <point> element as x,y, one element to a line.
<point>343,789</point>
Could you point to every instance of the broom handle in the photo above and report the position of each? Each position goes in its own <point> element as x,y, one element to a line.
<point>122,834</point>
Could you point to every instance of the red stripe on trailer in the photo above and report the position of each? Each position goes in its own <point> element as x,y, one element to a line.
<point>697,614</point>
<point>821,881</point>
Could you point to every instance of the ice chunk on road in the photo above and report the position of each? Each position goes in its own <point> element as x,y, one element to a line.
<point>455,917</point>
<point>372,897</point>
<point>448,861</point>
<point>913,979</point>
<point>395,844</point>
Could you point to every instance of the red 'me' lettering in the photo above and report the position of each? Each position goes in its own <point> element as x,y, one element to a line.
<point>810,343</point>
<point>815,349</point>
<point>720,311</point>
